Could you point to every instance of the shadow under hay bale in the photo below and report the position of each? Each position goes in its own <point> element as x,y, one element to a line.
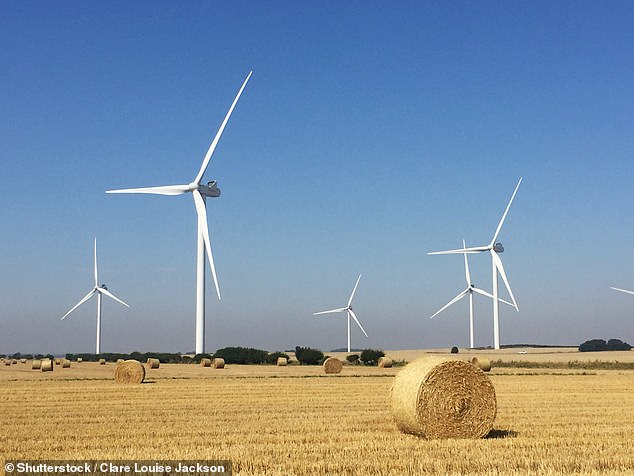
<point>153,363</point>
<point>205,362</point>
<point>218,363</point>
<point>282,362</point>
<point>438,397</point>
<point>332,365</point>
<point>129,371</point>
<point>482,362</point>
<point>47,365</point>
<point>385,362</point>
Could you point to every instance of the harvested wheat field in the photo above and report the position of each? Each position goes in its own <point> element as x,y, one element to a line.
<point>298,421</point>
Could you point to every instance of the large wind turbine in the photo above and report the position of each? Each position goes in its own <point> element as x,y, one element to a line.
<point>349,311</point>
<point>199,192</point>
<point>496,263</point>
<point>100,290</point>
<point>469,290</point>
<point>622,290</point>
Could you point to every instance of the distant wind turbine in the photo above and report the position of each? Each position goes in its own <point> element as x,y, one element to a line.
<point>200,192</point>
<point>495,249</point>
<point>349,311</point>
<point>469,290</point>
<point>100,290</point>
<point>622,290</point>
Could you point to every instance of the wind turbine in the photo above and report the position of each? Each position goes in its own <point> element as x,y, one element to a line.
<point>349,311</point>
<point>199,192</point>
<point>100,290</point>
<point>622,290</point>
<point>469,290</point>
<point>496,264</point>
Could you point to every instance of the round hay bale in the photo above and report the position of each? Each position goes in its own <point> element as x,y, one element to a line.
<point>282,362</point>
<point>120,360</point>
<point>218,363</point>
<point>153,363</point>
<point>58,361</point>
<point>385,362</point>
<point>79,359</point>
<point>129,371</point>
<point>14,361</point>
<point>36,365</point>
<point>102,361</point>
<point>66,364</point>
<point>47,365</point>
<point>23,361</point>
<point>7,362</point>
<point>332,365</point>
<point>482,362</point>
<point>205,362</point>
<point>438,397</point>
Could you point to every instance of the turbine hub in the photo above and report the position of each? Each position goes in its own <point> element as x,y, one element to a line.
<point>498,248</point>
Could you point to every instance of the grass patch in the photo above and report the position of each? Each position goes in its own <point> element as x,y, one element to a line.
<point>573,364</point>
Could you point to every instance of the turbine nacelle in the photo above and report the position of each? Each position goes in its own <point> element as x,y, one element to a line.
<point>498,248</point>
<point>209,190</point>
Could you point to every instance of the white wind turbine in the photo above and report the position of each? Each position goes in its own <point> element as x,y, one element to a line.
<point>200,192</point>
<point>622,290</point>
<point>497,266</point>
<point>469,290</point>
<point>100,290</point>
<point>349,311</point>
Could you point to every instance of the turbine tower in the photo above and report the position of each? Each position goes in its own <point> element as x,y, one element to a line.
<point>349,311</point>
<point>100,290</point>
<point>469,290</point>
<point>496,264</point>
<point>199,192</point>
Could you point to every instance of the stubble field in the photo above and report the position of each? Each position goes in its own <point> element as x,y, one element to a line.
<point>297,421</point>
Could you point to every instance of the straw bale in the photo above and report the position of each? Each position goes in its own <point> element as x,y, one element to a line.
<point>47,365</point>
<point>58,361</point>
<point>282,362</point>
<point>153,363</point>
<point>385,362</point>
<point>482,362</point>
<point>23,361</point>
<point>218,363</point>
<point>79,359</point>
<point>438,397</point>
<point>102,361</point>
<point>332,365</point>
<point>7,362</point>
<point>66,364</point>
<point>36,365</point>
<point>205,362</point>
<point>120,360</point>
<point>129,371</point>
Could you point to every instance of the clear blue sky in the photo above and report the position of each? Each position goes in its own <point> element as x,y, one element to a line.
<point>369,134</point>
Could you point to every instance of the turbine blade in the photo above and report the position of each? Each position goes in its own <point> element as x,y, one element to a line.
<point>622,290</point>
<point>213,145</point>
<point>500,268</point>
<point>202,224</point>
<point>475,249</point>
<point>110,295</point>
<point>497,231</point>
<point>454,300</point>
<point>484,293</point>
<point>331,311</point>
<point>353,291</point>
<point>357,321</point>
<point>96,276</point>
<point>466,265</point>
<point>162,190</point>
<point>84,299</point>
